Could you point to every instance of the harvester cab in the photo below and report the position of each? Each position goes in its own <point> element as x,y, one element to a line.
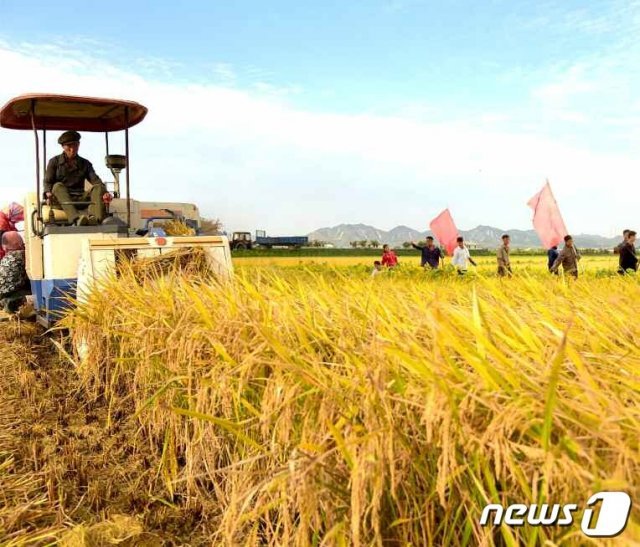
<point>64,261</point>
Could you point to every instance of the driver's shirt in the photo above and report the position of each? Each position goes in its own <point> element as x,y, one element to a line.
<point>72,173</point>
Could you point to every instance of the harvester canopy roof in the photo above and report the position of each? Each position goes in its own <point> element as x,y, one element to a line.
<point>63,112</point>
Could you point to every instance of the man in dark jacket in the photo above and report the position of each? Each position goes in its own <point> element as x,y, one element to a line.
<point>616,250</point>
<point>628,257</point>
<point>430,254</point>
<point>64,183</point>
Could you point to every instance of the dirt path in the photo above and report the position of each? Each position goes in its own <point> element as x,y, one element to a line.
<point>65,477</point>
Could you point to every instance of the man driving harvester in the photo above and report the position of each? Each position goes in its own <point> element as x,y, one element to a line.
<point>64,184</point>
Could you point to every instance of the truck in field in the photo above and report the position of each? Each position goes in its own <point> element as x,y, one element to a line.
<point>281,241</point>
<point>242,240</point>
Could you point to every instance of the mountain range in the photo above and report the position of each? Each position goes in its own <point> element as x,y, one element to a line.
<point>480,236</point>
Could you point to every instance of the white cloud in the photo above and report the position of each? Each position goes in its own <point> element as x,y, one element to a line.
<point>567,86</point>
<point>255,161</point>
<point>225,72</point>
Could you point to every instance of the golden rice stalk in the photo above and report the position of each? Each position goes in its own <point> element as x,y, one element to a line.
<point>177,228</point>
<point>316,405</point>
<point>119,529</point>
<point>189,261</point>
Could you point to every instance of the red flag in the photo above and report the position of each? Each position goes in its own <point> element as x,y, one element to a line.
<point>445,231</point>
<point>547,219</point>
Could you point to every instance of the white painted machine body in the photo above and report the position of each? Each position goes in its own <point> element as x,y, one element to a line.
<point>98,256</point>
<point>64,262</point>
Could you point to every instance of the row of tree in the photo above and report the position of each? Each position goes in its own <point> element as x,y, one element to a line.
<point>364,244</point>
<point>373,244</point>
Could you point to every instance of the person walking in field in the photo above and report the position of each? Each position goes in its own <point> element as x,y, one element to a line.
<point>568,258</point>
<point>618,247</point>
<point>389,258</point>
<point>504,262</point>
<point>552,254</point>
<point>461,257</point>
<point>628,257</point>
<point>430,254</point>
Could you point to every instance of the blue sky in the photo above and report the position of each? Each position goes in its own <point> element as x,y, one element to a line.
<point>290,116</point>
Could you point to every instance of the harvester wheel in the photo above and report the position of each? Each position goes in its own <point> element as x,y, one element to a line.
<point>241,246</point>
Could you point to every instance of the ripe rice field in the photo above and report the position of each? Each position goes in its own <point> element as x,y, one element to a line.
<point>310,404</point>
<point>487,264</point>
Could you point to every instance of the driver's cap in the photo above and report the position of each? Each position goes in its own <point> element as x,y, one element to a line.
<point>69,136</point>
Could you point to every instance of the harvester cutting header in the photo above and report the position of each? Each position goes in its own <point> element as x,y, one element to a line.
<point>76,228</point>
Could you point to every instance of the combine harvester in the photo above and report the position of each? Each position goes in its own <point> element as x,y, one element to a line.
<point>63,260</point>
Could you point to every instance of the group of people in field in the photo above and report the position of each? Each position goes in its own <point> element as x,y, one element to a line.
<point>14,282</point>
<point>432,256</point>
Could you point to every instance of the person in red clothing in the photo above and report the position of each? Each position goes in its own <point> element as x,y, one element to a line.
<point>9,217</point>
<point>389,258</point>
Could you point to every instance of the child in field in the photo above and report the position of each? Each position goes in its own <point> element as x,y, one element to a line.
<point>377,268</point>
<point>389,258</point>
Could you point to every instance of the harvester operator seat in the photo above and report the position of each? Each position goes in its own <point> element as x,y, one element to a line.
<point>55,215</point>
